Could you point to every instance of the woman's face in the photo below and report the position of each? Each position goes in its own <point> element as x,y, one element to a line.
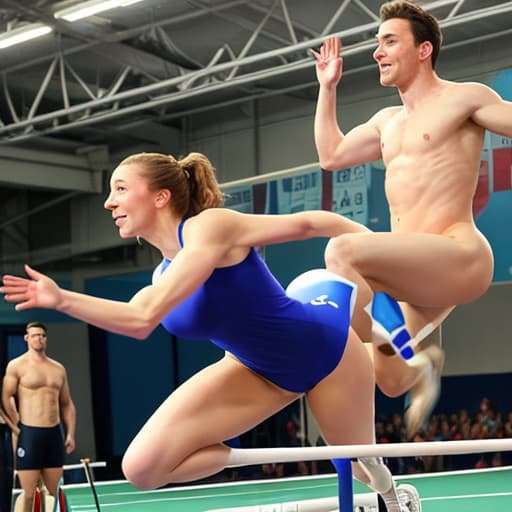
<point>130,201</point>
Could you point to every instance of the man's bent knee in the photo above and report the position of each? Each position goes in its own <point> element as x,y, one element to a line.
<point>340,252</point>
<point>394,382</point>
<point>391,389</point>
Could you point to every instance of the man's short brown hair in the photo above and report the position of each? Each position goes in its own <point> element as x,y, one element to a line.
<point>424,26</point>
<point>37,324</point>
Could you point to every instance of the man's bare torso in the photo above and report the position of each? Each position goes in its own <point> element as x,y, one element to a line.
<point>39,387</point>
<point>432,158</point>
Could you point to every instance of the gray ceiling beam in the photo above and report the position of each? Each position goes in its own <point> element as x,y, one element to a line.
<point>121,35</point>
<point>334,18</point>
<point>48,170</point>
<point>113,106</point>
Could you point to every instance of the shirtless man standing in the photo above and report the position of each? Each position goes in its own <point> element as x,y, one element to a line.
<point>39,387</point>
<point>434,258</point>
<point>6,469</point>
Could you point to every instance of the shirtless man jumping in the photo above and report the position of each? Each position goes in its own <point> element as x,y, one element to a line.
<point>434,258</point>
<point>40,386</point>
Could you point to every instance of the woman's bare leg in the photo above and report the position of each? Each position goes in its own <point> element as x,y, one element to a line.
<point>182,441</point>
<point>343,405</point>
<point>343,402</point>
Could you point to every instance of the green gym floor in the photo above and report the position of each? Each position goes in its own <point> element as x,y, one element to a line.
<point>463,491</point>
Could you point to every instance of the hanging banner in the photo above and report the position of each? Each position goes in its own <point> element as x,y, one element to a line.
<point>295,194</point>
<point>502,162</point>
<point>350,193</point>
<point>240,199</point>
<point>482,192</point>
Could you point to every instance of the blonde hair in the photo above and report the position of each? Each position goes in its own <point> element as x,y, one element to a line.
<point>191,180</point>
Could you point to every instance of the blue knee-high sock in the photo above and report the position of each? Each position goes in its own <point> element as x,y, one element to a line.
<point>389,323</point>
<point>345,487</point>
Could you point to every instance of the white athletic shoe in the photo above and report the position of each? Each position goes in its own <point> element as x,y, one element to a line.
<point>424,394</point>
<point>409,498</point>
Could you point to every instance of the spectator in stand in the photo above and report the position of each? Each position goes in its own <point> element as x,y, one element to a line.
<point>487,418</point>
<point>497,460</point>
<point>415,465</point>
<point>380,430</point>
<point>292,468</point>
<point>507,427</point>
<point>481,463</point>
<point>445,433</point>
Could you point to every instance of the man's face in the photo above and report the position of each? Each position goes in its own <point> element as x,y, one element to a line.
<point>397,54</point>
<point>36,339</point>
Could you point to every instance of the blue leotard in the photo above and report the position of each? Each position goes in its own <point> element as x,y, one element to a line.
<point>244,310</point>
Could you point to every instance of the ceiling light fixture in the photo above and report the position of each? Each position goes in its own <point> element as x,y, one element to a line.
<point>22,34</point>
<point>86,9</point>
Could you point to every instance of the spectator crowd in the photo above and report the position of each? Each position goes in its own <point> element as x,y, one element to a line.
<point>486,423</point>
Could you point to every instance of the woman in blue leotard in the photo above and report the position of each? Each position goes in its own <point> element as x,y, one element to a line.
<point>212,283</point>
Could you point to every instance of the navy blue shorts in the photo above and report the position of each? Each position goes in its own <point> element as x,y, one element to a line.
<point>40,447</point>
